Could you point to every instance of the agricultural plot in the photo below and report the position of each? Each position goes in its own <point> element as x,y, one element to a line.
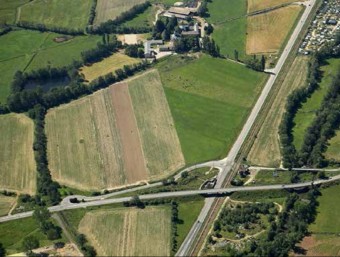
<point>57,13</point>
<point>33,50</point>
<point>108,65</point>
<point>306,113</point>
<point>8,10</point>
<point>266,33</point>
<point>266,148</point>
<point>144,19</point>
<point>6,203</point>
<point>209,105</point>
<point>17,165</point>
<point>257,5</point>
<point>333,150</point>
<point>129,232</point>
<point>230,25</point>
<point>110,9</point>
<point>117,138</point>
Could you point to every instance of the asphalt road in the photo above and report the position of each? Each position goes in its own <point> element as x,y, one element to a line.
<point>230,159</point>
<point>214,191</point>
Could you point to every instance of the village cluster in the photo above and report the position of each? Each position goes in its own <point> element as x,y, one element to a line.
<point>324,27</point>
<point>189,22</point>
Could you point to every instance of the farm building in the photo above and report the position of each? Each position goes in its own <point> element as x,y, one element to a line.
<point>148,51</point>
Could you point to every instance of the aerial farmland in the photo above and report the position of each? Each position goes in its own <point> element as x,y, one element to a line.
<point>169,128</point>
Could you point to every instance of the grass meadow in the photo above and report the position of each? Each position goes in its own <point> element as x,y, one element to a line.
<point>8,10</point>
<point>144,19</point>
<point>209,105</point>
<point>17,165</point>
<point>57,13</point>
<point>266,148</point>
<point>110,9</point>
<point>12,234</point>
<point>306,113</point>
<point>6,203</point>
<point>230,25</point>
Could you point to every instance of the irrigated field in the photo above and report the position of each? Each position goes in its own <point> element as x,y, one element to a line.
<point>6,203</point>
<point>306,113</point>
<point>266,33</point>
<point>17,165</point>
<point>209,99</point>
<point>114,137</point>
<point>110,9</point>
<point>256,5</point>
<point>266,148</point>
<point>110,64</point>
<point>57,13</point>
<point>33,50</point>
<point>230,25</point>
<point>129,232</point>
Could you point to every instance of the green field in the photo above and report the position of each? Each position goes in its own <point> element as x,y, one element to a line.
<point>306,113</point>
<point>144,19</point>
<point>13,232</point>
<point>17,165</point>
<point>33,50</point>
<point>230,25</point>
<point>333,150</point>
<point>57,13</point>
<point>8,10</point>
<point>209,100</point>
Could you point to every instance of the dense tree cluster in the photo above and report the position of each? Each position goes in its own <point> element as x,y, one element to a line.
<point>134,51</point>
<point>210,47</point>
<point>87,249</point>
<point>203,9</point>
<point>164,28</point>
<point>92,12</point>
<point>46,187</point>
<point>254,63</point>
<point>325,123</point>
<point>174,222</point>
<point>186,44</point>
<point>44,28</point>
<point>43,217</point>
<point>113,26</point>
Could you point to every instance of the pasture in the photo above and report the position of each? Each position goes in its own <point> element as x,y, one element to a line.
<point>306,113</point>
<point>108,65</point>
<point>144,19</point>
<point>6,203</point>
<point>110,9</point>
<point>230,25</point>
<point>257,5</point>
<point>17,165</point>
<point>33,50</point>
<point>57,13</point>
<point>8,10</point>
<point>209,105</point>
<point>266,33</point>
<point>129,231</point>
<point>333,150</point>
<point>266,148</point>
<point>117,139</point>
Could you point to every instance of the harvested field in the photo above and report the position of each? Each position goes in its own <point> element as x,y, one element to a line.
<point>160,142</point>
<point>108,65</point>
<point>257,5</point>
<point>110,9</point>
<point>129,232</point>
<point>266,148</point>
<point>321,245</point>
<point>111,139</point>
<point>266,33</point>
<point>17,165</point>
<point>57,13</point>
<point>6,203</point>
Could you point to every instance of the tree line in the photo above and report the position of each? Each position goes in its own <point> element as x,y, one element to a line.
<point>43,28</point>
<point>325,122</point>
<point>92,13</point>
<point>113,26</point>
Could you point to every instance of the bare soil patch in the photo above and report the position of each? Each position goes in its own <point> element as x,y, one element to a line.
<point>126,123</point>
